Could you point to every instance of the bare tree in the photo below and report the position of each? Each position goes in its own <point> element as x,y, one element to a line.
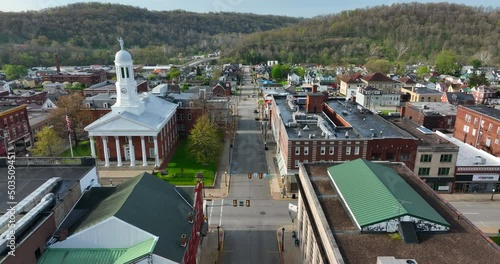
<point>401,49</point>
<point>484,56</point>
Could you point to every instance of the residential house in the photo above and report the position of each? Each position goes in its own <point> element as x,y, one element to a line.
<point>422,94</point>
<point>50,101</point>
<point>408,83</point>
<point>349,85</point>
<point>483,93</point>
<point>293,79</point>
<point>458,98</point>
<point>222,89</point>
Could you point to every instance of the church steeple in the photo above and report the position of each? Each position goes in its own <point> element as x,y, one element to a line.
<point>127,98</point>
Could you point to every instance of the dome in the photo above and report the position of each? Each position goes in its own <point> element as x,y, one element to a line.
<point>123,56</point>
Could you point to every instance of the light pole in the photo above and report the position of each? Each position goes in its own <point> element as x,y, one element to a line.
<point>282,239</point>
<point>218,238</point>
<point>493,193</point>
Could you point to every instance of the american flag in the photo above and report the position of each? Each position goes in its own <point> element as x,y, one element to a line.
<point>68,123</point>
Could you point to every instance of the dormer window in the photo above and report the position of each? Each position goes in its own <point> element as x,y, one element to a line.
<point>105,105</point>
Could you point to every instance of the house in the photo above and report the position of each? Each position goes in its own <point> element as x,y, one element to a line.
<point>293,79</point>
<point>407,82</point>
<point>382,82</point>
<point>483,93</point>
<point>431,115</point>
<point>375,99</point>
<point>458,98</point>
<point>134,120</point>
<point>50,101</point>
<point>51,88</point>
<point>349,85</point>
<point>422,94</point>
<point>113,224</point>
<point>222,89</point>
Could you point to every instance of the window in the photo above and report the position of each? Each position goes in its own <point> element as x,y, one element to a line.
<point>126,72</point>
<point>14,133</point>
<point>105,105</point>
<point>475,120</point>
<point>323,150</point>
<point>123,72</point>
<point>466,129</point>
<point>424,171</point>
<point>297,150</point>
<point>182,117</point>
<point>426,158</point>
<point>443,171</point>
<point>150,139</point>
<point>496,141</point>
<point>404,157</point>
<point>488,142</point>
<point>191,104</point>
<point>490,126</point>
<point>474,132</point>
<point>446,158</point>
<point>348,150</point>
<point>25,128</point>
<point>190,116</point>
<point>305,161</point>
<point>356,150</point>
<point>152,153</point>
<point>332,150</point>
<point>296,163</point>
<point>306,150</point>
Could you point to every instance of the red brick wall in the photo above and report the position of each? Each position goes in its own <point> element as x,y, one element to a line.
<point>188,124</point>
<point>314,104</point>
<point>473,140</point>
<point>25,253</point>
<point>16,125</point>
<point>383,149</point>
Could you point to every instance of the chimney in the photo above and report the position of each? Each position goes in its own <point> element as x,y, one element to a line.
<point>58,65</point>
<point>63,234</point>
<point>183,240</point>
<point>315,88</point>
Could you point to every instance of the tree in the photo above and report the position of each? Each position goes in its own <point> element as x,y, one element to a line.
<point>49,144</point>
<point>476,63</point>
<point>299,71</point>
<point>67,85</point>
<point>378,65</point>
<point>72,105</point>
<point>198,71</point>
<point>185,87</point>
<point>276,72</point>
<point>76,85</point>
<point>151,76</point>
<point>13,72</point>
<point>478,80</point>
<point>204,141</point>
<point>447,62</point>
<point>174,73</point>
<point>422,71</point>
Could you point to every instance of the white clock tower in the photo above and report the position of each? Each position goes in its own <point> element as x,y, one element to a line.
<point>127,98</point>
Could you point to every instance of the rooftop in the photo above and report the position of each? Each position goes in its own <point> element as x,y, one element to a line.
<point>7,107</point>
<point>36,118</point>
<point>425,90</point>
<point>463,239</point>
<point>28,179</point>
<point>430,108</point>
<point>359,126</point>
<point>467,154</point>
<point>495,113</point>
<point>426,139</point>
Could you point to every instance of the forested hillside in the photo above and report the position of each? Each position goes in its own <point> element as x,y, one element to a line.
<point>403,33</point>
<point>84,33</point>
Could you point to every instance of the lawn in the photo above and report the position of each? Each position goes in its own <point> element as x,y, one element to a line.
<point>82,150</point>
<point>183,168</point>
<point>496,239</point>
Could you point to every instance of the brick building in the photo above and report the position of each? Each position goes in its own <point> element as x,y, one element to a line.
<point>14,129</point>
<point>479,126</point>
<point>336,132</point>
<point>431,115</point>
<point>134,120</point>
<point>26,97</point>
<point>88,77</point>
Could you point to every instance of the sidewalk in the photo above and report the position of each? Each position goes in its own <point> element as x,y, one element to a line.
<point>471,197</point>
<point>291,252</point>
<point>220,189</point>
<point>275,183</point>
<point>209,252</point>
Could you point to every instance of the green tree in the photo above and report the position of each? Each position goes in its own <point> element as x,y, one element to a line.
<point>67,85</point>
<point>49,144</point>
<point>378,65</point>
<point>299,71</point>
<point>478,80</point>
<point>447,62</point>
<point>14,71</point>
<point>476,63</point>
<point>204,141</point>
<point>151,76</point>
<point>72,105</point>
<point>174,73</point>
<point>185,87</point>
<point>422,71</point>
<point>76,85</point>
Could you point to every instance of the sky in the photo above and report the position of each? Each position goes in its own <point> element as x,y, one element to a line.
<point>308,8</point>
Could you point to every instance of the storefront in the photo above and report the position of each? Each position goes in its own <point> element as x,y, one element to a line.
<point>476,183</point>
<point>440,184</point>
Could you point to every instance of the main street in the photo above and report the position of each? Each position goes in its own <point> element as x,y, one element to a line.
<point>250,232</point>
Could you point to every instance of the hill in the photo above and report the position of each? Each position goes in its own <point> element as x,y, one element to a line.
<point>410,32</point>
<point>84,33</point>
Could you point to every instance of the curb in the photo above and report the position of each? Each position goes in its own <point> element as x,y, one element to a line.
<point>278,239</point>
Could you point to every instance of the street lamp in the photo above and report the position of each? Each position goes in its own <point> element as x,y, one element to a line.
<point>218,238</point>
<point>282,239</point>
<point>493,193</point>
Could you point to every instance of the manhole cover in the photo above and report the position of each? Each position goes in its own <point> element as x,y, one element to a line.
<point>262,213</point>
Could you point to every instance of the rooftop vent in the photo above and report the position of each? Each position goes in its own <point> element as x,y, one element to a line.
<point>183,240</point>
<point>306,128</point>
<point>299,134</point>
<point>478,160</point>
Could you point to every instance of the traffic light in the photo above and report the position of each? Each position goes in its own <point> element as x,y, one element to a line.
<point>260,175</point>
<point>235,203</point>
<point>249,175</point>
<point>248,203</point>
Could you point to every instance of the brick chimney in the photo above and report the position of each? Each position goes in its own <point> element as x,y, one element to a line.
<point>58,65</point>
<point>314,102</point>
<point>63,234</point>
<point>315,88</point>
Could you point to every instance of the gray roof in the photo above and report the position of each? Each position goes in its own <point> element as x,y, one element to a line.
<point>461,97</point>
<point>485,110</point>
<point>145,202</point>
<point>438,107</point>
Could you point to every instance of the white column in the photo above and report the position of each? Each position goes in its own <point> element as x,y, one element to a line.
<point>92,146</point>
<point>132,151</point>
<point>118,151</point>
<point>144,156</point>
<point>157,156</point>
<point>105,149</point>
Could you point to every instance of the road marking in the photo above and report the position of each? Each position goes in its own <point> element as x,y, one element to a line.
<point>470,213</point>
<point>211,210</point>
<point>221,207</point>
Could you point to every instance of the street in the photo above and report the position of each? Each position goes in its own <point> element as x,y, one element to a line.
<point>485,215</point>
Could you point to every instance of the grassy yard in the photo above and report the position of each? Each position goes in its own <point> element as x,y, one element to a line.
<point>183,168</point>
<point>496,239</point>
<point>82,150</point>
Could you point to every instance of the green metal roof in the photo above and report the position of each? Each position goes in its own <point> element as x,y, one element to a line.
<point>375,193</point>
<point>98,255</point>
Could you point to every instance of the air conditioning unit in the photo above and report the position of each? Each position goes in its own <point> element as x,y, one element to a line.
<point>393,260</point>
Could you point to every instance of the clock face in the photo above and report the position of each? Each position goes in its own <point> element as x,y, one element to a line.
<point>123,90</point>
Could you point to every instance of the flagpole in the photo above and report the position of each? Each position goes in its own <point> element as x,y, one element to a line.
<point>70,145</point>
